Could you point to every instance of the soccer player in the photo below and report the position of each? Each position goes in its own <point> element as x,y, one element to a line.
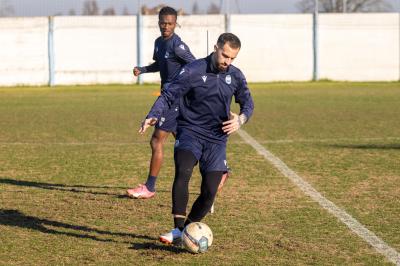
<point>170,54</point>
<point>206,86</point>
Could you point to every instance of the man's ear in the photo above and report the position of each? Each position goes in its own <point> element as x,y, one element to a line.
<point>215,48</point>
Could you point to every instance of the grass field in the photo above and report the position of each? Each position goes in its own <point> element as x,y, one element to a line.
<point>67,154</point>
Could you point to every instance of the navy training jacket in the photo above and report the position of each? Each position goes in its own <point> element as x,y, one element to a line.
<point>169,56</point>
<point>206,96</point>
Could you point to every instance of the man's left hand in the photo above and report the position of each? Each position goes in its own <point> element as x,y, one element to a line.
<point>232,125</point>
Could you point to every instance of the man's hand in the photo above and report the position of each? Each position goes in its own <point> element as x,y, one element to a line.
<point>147,123</point>
<point>232,125</point>
<point>136,71</point>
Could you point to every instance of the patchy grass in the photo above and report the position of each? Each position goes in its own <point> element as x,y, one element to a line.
<point>67,154</point>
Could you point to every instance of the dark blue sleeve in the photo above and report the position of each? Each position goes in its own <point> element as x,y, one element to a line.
<point>155,67</point>
<point>182,51</point>
<point>243,97</point>
<point>170,92</point>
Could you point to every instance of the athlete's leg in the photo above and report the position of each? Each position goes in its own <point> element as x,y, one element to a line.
<point>184,164</point>
<point>202,205</point>
<point>209,186</point>
<point>221,185</point>
<point>157,155</point>
<point>157,150</point>
<point>185,160</point>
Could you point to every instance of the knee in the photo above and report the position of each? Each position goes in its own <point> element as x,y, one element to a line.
<point>184,163</point>
<point>181,181</point>
<point>182,170</point>
<point>156,143</point>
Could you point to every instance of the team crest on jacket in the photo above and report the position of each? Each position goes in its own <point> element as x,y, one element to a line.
<point>228,79</point>
<point>166,55</point>
<point>204,78</point>
<point>161,122</point>
<point>182,46</point>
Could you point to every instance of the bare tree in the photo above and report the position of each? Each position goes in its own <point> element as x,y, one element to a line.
<point>6,9</point>
<point>307,6</point>
<point>90,8</point>
<point>109,12</point>
<point>213,9</point>
<point>195,8</point>
<point>125,12</point>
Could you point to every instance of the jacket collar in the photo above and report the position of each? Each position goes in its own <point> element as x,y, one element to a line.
<point>211,65</point>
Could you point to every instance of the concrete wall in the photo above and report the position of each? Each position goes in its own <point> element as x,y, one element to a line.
<point>90,50</point>
<point>23,51</point>
<point>274,47</point>
<point>359,47</point>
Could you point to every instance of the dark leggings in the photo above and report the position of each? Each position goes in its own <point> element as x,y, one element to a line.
<point>184,164</point>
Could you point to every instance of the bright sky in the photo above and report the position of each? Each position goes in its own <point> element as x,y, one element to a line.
<point>53,7</point>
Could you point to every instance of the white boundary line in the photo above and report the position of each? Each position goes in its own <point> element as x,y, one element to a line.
<point>278,141</point>
<point>390,253</point>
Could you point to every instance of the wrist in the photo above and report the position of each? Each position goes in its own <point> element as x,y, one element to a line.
<point>242,119</point>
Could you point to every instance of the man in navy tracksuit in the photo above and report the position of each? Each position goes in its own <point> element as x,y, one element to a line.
<point>170,54</point>
<point>205,88</point>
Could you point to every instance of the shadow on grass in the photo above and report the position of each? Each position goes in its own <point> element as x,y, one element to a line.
<point>367,146</point>
<point>60,187</point>
<point>71,188</point>
<point>154,246</point>
<point>16,218</point>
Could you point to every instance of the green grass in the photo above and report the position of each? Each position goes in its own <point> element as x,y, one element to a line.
<point>67,154</point>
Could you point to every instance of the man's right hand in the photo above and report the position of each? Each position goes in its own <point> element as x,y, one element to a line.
<point>136,71</point>
<point>147,123</point>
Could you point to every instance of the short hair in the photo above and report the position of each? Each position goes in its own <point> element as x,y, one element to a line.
<point>167,10</point>
<point>230,38</point>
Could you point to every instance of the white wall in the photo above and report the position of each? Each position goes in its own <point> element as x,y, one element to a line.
<point>94,49</point>
<point>360,47</point>
<point>23,51</point>
<point>274,47</point>
<point>91,50</point>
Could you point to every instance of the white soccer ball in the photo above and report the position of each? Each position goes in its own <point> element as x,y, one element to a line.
<point>197,237</point>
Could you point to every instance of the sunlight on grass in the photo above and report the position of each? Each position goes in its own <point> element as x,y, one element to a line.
<point>68,153</point>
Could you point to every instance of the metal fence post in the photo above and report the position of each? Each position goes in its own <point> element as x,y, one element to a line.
<point>139,37</point>
<point>50,51</point>
<point>227,17</point>
<point>315,41</point>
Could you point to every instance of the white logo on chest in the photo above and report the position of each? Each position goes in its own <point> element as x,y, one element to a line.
<point>161,122</point>
<point>204,78</point>
<point>166,55</point>
<point>182,46</point>
<point>228,79</point>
